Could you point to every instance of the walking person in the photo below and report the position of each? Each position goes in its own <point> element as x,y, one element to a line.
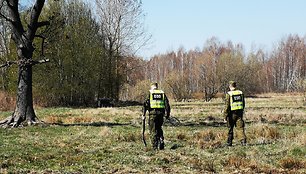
<point>233,113</point>
<point>158,106</point>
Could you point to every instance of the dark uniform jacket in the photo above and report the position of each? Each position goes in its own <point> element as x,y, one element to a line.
<point>227,109</point>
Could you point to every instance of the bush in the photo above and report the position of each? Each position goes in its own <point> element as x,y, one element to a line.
<point>7,102</point>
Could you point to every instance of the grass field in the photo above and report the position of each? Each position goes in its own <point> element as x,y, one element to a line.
<point>108,140</point>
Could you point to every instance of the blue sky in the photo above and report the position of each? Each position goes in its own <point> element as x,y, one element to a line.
<point>189,23</point>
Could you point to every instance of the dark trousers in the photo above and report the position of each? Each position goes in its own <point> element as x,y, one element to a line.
<point>235,119</point>
<point>155,126</point>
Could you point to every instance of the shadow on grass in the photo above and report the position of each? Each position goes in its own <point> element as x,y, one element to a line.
<point>94,124</point>
<point>255,96</point>
<point>171,124</point>
<point>239,145</point>
<point>223,124</point>
<point>210,124</point>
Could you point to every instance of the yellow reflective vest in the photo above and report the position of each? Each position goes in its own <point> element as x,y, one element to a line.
<point>157,99</point>
<point>236,100</point>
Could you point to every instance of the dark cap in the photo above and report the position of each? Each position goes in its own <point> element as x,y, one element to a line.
<point>232,83</point>
<point>154,84</point>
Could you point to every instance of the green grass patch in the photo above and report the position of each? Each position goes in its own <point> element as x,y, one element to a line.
<point>108,140</point>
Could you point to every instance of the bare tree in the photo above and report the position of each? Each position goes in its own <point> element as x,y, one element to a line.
<point>4,48</point>
<point>288,61</point>
<point>23,35</point>
<point>207,68</point>
<point>124,34</point>
<point>176,84</point>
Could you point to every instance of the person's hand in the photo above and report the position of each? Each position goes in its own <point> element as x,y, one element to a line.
<point>225,121</point>
<point>143,117</point>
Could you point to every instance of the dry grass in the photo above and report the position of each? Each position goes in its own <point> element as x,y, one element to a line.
<point>209,138</point>
<point>203,165</point>
<point>276,108</point>
<point>236,162</point>
<point>301,139</point>
<point>182,136</point>
<point>105,132</point>
<point>275,127</point>
<point>291,163</point>
<point>53,119</point>
<point>208,135</point>
<point>7,102</point>
<point>263,133</point>
<point>131,137</point>
<point>68,120</point>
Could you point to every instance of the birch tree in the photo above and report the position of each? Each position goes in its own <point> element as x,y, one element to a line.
<point>124,34</point>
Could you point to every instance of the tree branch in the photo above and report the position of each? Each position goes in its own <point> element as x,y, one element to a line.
<point>34,24</point>
<point>8,64</point>
<point>16,25</point>
<point>34,62</point>
<point>42,43</point>
<point>4,17</point>
<point>43,23</point>
<point>1,14</point>
<point>25,62</point>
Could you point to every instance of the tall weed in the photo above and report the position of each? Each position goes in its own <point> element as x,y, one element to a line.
<point>264,133</point>
<point>209,139</point>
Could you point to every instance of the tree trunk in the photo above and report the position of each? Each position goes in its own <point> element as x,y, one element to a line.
<point>24,110</point>
<point>24,107</point>
<point>24,43</point>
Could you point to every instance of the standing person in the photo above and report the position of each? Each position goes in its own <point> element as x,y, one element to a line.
<point>233,112</point>
<point>158,106</point>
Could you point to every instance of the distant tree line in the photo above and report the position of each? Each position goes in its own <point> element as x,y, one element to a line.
<point>206,72</point>
<point>92,55</point>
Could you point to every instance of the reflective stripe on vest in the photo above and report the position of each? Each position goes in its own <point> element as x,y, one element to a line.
<point>236,100</point>
<point>157,99</point>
